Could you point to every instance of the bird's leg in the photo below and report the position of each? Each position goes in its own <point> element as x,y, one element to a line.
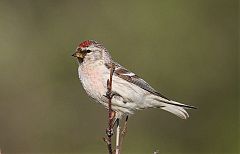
<point>124,131</point>
<point>116,120</point>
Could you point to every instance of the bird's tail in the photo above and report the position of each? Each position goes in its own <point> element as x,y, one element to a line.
<point>174,107</point>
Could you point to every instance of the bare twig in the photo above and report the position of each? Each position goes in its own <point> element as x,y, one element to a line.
<point>109,145</point>
<point>124,131</point>
<point>111,113</point>
<point>118,138</point>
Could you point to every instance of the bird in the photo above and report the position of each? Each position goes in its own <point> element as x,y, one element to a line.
<point>130,92</point>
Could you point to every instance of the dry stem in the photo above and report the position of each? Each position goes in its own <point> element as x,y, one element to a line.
<point>110,112</point>
<point>118,138</point>
<point>124,131</point>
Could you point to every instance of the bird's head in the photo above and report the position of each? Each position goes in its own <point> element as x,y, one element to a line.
<point>90,51</point>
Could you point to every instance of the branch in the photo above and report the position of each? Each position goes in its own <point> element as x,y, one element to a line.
<point>111,113</point>
<point>118,138</point>
<point>123,133</point>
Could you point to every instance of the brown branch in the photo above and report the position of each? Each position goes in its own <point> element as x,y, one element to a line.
<point>111,113</point>
<point>109,145</point>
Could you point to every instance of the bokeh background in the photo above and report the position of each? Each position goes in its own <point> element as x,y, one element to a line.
<point>188,50</point>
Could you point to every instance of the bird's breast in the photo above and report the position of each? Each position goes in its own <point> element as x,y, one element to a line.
<point>92,80</point>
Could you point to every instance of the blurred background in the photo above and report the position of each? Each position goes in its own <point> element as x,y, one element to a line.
<point>187,50</point>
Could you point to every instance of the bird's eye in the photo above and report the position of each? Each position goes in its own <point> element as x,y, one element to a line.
<point>88,51</point>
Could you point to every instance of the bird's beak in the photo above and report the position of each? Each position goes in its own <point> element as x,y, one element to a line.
<point>78,54</point>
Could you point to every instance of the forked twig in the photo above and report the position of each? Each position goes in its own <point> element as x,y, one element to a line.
<point>110,111</point>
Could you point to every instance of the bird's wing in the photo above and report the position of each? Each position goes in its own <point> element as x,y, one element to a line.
<point>133,78</point>
<point>123,73</point>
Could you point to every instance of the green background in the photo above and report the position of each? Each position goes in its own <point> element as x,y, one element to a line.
<point>187,50</point>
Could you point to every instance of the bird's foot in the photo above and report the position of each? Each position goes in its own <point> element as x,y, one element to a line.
<point>110,95</point>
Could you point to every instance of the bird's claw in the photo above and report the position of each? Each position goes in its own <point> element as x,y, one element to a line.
<point>110,94</point>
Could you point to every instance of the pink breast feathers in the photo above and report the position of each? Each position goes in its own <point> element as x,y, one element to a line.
<point>94,81</point>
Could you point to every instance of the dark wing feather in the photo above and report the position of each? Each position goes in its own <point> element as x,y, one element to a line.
<point>133,78</point>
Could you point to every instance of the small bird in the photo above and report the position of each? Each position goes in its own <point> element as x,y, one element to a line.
<point>131,93</point>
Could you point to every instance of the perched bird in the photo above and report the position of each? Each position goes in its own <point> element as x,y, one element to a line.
<point>131,93</point>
